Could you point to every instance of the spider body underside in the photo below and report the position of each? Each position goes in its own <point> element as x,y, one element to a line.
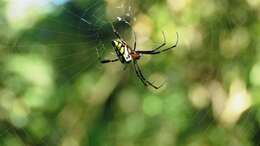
<point>126,54</point>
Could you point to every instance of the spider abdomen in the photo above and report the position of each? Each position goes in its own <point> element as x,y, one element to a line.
<point>122,51</point>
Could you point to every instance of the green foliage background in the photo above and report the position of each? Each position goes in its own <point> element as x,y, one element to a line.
<point>54,91</point>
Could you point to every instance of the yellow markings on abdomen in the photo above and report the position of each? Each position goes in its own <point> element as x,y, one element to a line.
<point>121,48</point>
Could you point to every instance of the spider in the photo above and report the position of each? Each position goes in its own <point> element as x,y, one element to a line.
<point>126,54</point>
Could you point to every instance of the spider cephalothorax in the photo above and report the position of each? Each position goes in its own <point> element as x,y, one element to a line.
<point>126,54</point>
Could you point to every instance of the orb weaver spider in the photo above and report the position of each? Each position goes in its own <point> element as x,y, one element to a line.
<point>126,54</point>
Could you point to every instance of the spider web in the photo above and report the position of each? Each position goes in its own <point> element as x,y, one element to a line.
<point>85,22</point>
<point>88,104</point>
<point>69,36</point>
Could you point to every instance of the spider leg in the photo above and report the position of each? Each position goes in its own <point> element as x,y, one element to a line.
<point>138,74</point>
<point>157,51</point>
<point>163,44</point>
<point>109,60</point>
<point>115,31</point>
<point>157,48</point>
<point>144,79</point>
<point>106,60</point>
<point>126,22</point>
<point>134,40</point>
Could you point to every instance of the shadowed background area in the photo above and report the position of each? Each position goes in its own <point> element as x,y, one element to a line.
<point>54,91</point>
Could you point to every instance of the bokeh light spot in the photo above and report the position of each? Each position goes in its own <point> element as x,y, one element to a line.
<point>255,74</point>
<point>152,105</point>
